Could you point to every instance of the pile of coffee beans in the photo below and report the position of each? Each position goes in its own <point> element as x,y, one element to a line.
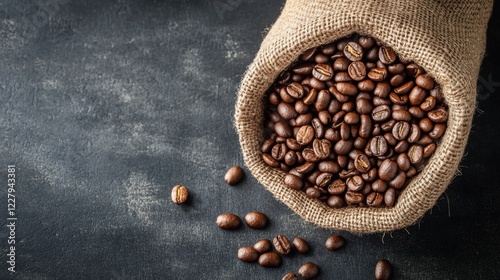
<point>351,122</point>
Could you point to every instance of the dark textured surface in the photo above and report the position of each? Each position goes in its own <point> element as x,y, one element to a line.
<point>108,104</point>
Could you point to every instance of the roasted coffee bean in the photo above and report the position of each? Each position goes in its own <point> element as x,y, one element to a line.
<point>401,130</point>
<point>353,51</point>
<point>388,169</point>
<point>426,125</point>
<point>301,108</point>
<point>396,80</point>
<point>399,181</point>
<point>401,115</point>
<point>372,55</point>
<point>267,145</point>
<point>337,187</point>
<point>286,111</point>
<point>309,270</point>
<point>391,140</point>
<point>357,70</point>
<point>319,128</point>
<point>429,150</point>
<point>425,81</point>
<point>248,254</point>
<point>390,197</point>
<point>377,74</point>
<point>363,106</point>
<point>438,115</point>
<point>428,104</point>
<point>387,55</point>
<point>417,112</point>
<point>321,148</point>
<point>234,175</point>
<point>324,117</point>
<point>353,198</point>
<point>321,58</point>
<point>417,96</point>
<point>362,163</point>
<point>374,199</point>
<point>383,270</point>
<point>290,158</point>
<point>416,154</point>
<point>279,151</point>
<point>263,245</point>
<point>334,242</point>
<point>324,179</point>
<point>322,72</point>
<point>328,166</point>
<point>404,88</point>
<point>437,93</point>
<point>378,146</point>
<point>256,220</point>
<point>295,90</point>
<point>309,155</point>
<point>300,245</point>
<point>347,88</point>
<point>228,221</point>
<point>398,99</point>
<point>403,162</point>
<point>381,113</point>
<point>305,168</point>
<point>335,201</point>
<point>282,245</point>
<point>269,160</point>
<point>290,276</point>
<point>313,192</point>
<point>370,176</point>
<point>366,85</point>
<point>270,259</point>
<point>179,194</point>
<point>305,135</point>
<point>341,64</point>
<point>308,54</point>
<point>355,183</point>
<point>382,90</point>
<point>283,129</point>
<point>345,131</point>
<point>293,182</point>
<point>342,77</point>
<point>366,42</point>
<point>401,146</point>
<point>413,70</point>
<point>343,147</point>
<point>303,68</point>
<point>351,118</point>
<point>415,133</point>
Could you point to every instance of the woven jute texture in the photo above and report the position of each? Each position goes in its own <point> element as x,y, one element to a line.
<point>446,38</point>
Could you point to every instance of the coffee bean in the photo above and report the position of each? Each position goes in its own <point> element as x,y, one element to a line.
<point>387,55</point>
<point>179,194</point>
<point>321,58</point>
<point>248,254</point>
<point>438,115</point>
<point>378,146</point>
<point>415,133</point>
<point>319,128</point>
<point>383,270</point>
<point>282,245</point>
<point>293,182</point>
<point>417,96</point>
<point>426,125</point>
<point>357,70</point>
<point>351,118</point>
<point>335,201</point>
<point>322,72</point>
<point>388,169</point>
<point>228,221</point>
<point>413,70</point>
<point>300,245</point>
<point>269,160</point>
<point>366,42</point>
<point>270,259</point>
<point>377,74</point>
<point>379,185</point>
<point>416,154</point>
<point>263,245</point>
<point>290,276</point>
<point>404,88</point>
<point>396,80</point>
<point>425,81</point>
<point>324,179</point>
<point>381,113</point>
<point>417,112</point>
<point>305,135</point>
<point>401,115</point>
<point>256,219</point>
<point>234,175</point>
<point>355,183</point>
<point>429,150</point>
<point>399,181</point>
<point>353,51</point>
<point>279,151</point>
<point>366,85</point>
<point>334,242</point>
<point>353,198</point>
<point>309,270</point>
<point>390,197</point>
<point>286,111</point>
<point>428,104</point>
<point>345,131</point>
<point>401,130</point>
<point>347,88</point>
<point>321,148</point>
<point>362,163</point>
<point>374,199</point>
<point>401,146</point>
<point>343,147</point>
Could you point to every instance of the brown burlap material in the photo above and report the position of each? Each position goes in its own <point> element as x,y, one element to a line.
<point>446,38</point>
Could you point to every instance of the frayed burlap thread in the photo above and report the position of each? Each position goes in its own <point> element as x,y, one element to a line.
<point>446,38</point>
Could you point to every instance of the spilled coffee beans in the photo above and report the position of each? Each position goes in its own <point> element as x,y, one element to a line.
<point>351,123</point>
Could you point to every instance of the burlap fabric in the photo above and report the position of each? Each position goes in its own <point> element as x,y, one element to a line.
<point>446,38</point>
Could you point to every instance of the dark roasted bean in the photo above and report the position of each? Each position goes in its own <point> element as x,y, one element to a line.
<point>270,259</point>
<point>383,270</point>
<point>228,221</point>
<point>282,245</point>
<point>300,245</point>
<point>248,254</point>
<point>309,270</point>
<point>334,242</point>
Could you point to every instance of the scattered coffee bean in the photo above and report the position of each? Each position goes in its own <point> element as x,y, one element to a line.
<point>256,219</point>
<point>228,221</point>
<point>309,270</point>
<point>383,270</point>
<point>263,246</point>
<point>179,194</point>
<point>282,245</point>
<point>300,245</point>
<point>290,276</point>
<point>235,174</point>
<point>334,242</point>
<point>352,123</point>
<point>270,259</point>
<point>248,254</point>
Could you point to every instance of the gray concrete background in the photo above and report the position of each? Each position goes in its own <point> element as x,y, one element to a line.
<point>105,105</point>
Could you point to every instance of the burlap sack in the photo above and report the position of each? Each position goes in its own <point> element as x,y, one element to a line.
<point>446,38</point>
